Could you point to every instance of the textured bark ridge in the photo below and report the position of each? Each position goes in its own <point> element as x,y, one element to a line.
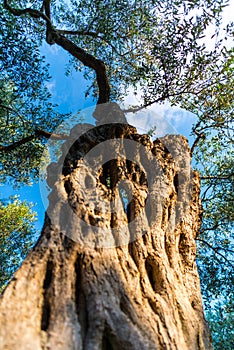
<point>113,271</point>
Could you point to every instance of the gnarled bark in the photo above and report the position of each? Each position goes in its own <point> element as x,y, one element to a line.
<point>113,279</point>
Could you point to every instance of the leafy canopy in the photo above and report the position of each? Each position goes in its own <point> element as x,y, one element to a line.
<point>25,108</point>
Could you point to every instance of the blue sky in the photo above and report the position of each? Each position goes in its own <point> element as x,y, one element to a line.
<point>66,91</point>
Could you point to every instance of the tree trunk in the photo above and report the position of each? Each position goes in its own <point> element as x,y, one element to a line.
<point>114,268</point>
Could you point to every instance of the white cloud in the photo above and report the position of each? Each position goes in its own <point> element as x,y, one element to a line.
<point>166,119</point>
<point>51,86</point>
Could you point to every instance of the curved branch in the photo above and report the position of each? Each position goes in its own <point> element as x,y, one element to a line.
<point>32,12</point>
<point>199,137</point>
<point>215,250</point>
<point>51,135</point>
<point>217,177</point>
<point>159,99</point>
<point>211,228</point>
<point>17,144</point>
<point>206,190</point>
<point>135,109</point>
<point>53,36</point>
<point>94,35</point>
<point>38,133</point>
<point>89,61</point>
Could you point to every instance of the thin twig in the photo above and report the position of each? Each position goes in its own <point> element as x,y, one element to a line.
<point>215,250</point>
<point>217,177</point>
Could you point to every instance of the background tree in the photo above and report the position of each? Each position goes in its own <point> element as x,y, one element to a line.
<point>159,48</point>
<point>17,236</point>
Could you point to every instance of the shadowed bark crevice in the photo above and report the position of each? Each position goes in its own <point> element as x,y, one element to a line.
<point>68,186</point>
<point>108,340</point>
<point>45,317</point>
<point>80,299</point>
<point>154,274</point>
<point>132,250</point>
<point>176,183</point>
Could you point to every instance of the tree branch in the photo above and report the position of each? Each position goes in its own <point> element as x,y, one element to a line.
<point>160,99</point>
<point>210,228</point>
<point>17,144</point>
<point>53,36</point>
<point>217,177</point>
<point>95,35</point>
<point>164,97</point>
<point>215,250</point>
<point>199,137</point>
<point>79,32</point>
<point>51,135</point>
<point>206,190</point>
<point>89,61</point>
<point>38,133</point>
<point>91,34</point>
<point>32,12</point>
<point>139,108</point>
<point>46,4</point>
